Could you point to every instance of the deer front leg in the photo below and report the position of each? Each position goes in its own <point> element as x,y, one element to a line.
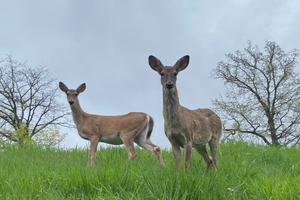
<point>188,154</point>
<point>176,153</point>
<point>92,151</point>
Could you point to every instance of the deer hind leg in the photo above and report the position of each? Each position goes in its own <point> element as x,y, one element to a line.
<point>213,144</point>
<point>203,152</point>
<point>143,140</point>
<point>156,151</point>
<point>148,145</point>
<point>128,142</point>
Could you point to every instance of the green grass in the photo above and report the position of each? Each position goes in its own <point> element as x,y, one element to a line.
<point>245,172</point>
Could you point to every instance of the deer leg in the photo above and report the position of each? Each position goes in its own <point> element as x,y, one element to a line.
<point>176,153</point>
<point>202,150</point>
<point>92,151</point>
<point>130,148</point>
<point>213,148</point>
<point>152,148</point>
<point>188,155</point>
<point>157,152</point>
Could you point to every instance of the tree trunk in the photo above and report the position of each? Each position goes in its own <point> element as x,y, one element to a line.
<point>275,141</point>
<point>273,131</point>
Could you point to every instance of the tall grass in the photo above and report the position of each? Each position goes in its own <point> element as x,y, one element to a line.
<point>245,172</point>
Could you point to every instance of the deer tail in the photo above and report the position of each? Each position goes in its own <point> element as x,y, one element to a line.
<point>150,126</point>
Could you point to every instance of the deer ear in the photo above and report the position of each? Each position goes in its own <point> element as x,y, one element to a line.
<point>63,87</point>
<point>182,63</point>
<point>81,88</point>
<point>155,64</point>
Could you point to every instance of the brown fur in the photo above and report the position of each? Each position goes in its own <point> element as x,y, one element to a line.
<point>121,129</point>
<point>184,127</point>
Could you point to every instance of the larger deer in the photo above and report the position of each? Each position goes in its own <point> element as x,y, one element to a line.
<point>122,129</point>
<point>184,127</point>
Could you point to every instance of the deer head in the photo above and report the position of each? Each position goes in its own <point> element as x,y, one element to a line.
<point>168,73</point>
<point>72,95</point>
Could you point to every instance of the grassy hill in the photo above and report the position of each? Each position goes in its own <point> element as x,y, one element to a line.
<point>245,172</point>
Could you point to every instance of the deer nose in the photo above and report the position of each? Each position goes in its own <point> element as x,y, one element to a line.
<point>169,85</point>
<point>71,102</point>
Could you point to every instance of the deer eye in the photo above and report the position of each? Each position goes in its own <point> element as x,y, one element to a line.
<point>162,74</point>
<point>175,74</point>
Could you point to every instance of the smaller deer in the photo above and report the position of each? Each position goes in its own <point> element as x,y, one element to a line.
<point>122,129</point>
<point>184,127</point>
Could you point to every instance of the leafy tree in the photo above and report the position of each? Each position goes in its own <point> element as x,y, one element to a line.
<point>262,94</point>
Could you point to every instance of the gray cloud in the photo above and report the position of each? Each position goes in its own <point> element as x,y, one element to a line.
<point>106,45</point>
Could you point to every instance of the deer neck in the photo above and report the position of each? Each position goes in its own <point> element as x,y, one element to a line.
<point>171,106</point>
<point>77,113</point>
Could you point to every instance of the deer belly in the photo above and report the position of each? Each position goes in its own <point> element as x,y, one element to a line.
<point>200,138</point>
<point>112,139</point>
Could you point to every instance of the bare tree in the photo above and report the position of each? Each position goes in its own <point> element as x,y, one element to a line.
<point>27,101</point>
<point>262,94</point>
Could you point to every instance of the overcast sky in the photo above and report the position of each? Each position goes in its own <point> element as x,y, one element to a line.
<point>106,44</point>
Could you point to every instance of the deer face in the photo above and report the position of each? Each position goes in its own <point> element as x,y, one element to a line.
<point>168,74</point>
<point>72,95</point>
<point>168,77</point>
